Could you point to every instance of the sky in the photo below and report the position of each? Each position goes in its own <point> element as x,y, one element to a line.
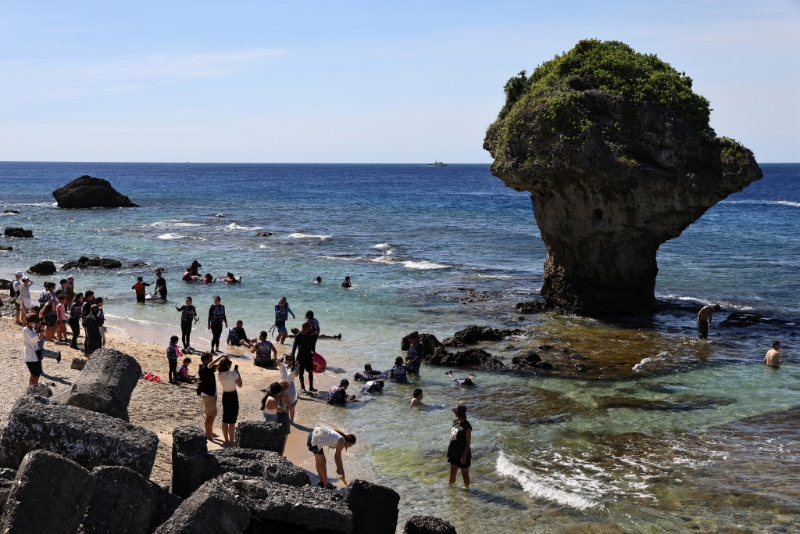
<point>355,82</point>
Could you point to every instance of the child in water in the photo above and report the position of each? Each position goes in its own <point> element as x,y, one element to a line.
<point>416,398</point>
<point>469,381</point>
<point>398,372</point>
<point>337,395</point>
<point>373,386</point>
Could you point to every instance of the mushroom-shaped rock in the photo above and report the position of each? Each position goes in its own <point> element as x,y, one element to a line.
<point>89,192</point>
<point>618,155</point>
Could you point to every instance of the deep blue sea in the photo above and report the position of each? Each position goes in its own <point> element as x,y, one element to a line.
<point>436,249</point>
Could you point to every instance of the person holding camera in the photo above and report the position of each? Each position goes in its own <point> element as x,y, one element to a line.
<point>33,354</point>
<point>229,380</point>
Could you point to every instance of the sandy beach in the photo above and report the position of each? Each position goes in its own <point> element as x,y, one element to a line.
<point>161,406</point>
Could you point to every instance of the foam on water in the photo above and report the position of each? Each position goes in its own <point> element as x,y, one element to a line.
<point>169,236</point>
<point>234,226</point>
<point>301,235</point>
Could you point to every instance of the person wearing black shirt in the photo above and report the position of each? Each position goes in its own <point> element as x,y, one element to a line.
<point>188,314</point>
<point>161,286</point>
<point>346,284</point>
<point>75,319</point>
<point>207,389</point>
<point>216,316</point>
<point>459,452</point>
<point>93,340</point>
<point>303,346</point>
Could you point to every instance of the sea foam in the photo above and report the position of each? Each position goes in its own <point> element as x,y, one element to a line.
<point>170,235</point>
<point>300,235</point>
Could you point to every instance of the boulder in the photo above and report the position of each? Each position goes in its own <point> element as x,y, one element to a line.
<point>279,508</point>
<point>137,264</point>
<point>40,389</point>
<point>533,306</point>
<point>78,363</point>
<point>166,504</point>
<point>261,435</point>
<point>264,234</point>
<point>50,494</point>
<point>268,465</point>
<point>7,477</point>
<point>616,165</point>
<point>88,192</point>
<point>475,358</point>
<point>215,508</point>
<point>123,502</point>
<point>11,212</point>
<point>92,263</point>
<point>45,268</point>
<point>5,284</point>
<point>105,384</point>
<point>429,341</point>
<point>424,524</point>
<point>18,232</point>
<point>191,463</point>
<point>474,334</point>
<point>374,507</point>
<point>88,438</point>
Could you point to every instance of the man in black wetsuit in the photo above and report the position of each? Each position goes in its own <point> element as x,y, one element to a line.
<point>303,346</point>
<point>161,286</point>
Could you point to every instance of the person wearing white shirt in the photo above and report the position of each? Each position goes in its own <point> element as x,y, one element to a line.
<point>229,380</point>
<point>15,286</point>
<point>30,342</point>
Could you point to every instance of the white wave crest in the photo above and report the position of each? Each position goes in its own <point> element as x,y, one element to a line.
<point>424,265</point>
<point>234,226</point>
<point>534,486</point>
<point>649,362</point>
<point>170,235</point>
<point>300,235</point>
<point>164,224</point>
<point>790,203</point>
<point>382,246</point>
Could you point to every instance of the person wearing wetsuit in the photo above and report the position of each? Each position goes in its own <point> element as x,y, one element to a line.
<point>302,346</point>
<point>282,311</point>
<point>86,309</point>
<point>346,284</point>
<point>161,286</point>
<point>93,339</point>
<point>193,270</point>
<point>75,319</point>
<point>139,287</point>
<point>414,355</point>
<point>314,329</point>
<point>216,316</point>
<point>188,313</point>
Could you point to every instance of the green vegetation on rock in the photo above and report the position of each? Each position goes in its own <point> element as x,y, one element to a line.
<point>609,66</point>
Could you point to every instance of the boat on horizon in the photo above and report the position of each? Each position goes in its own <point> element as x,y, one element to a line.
<point>437,163</point>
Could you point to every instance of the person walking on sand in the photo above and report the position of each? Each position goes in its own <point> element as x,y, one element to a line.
<point>282,312</point>
<point>30,343</point>
<point>704,319</point>
<point>188,316</point>
<point>301,351</point>
<point>216,316</point>
<point>229,380</point>
<point>772,358</point>
<point>322,437</point>
<point>15,296</point>
<point>172,359</point>
<point>207,389</point>
<point>459,451</point>
<point>139,287</point>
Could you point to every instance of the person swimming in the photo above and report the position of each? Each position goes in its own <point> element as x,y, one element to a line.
<point>230,279</point>
<point>373,386</point>
<point>207,279</point>
<point>416,398</point>
<point>469,381</point>
<point>317,280</point>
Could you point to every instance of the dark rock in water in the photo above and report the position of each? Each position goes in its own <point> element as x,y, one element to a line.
<point>527,360</point>
<point>50,494</point>
<point>105,384</point>
<point>18,232</point>
<point>137,264</point>
<point>474,334</point>
<point>40,390</point>
<point>122,503</point>
<point>89,438</point>
<point>744,319</point>
<point>429,341</point>
<point>260,435</point>
<point>5,284</point>
<point>615,165</point>
<point>374,508</point>
<point>214,508</point>
<point>166,504</point>
<point>88,192</point>
<point>265,234</point>
<point>530,307</point>
<point>476,358</point>
<point>424,524</point>
<point>701,403</point>
<point>44,268</point>
<point>89,263</point>
<point>6,248</point>
<point>262,464</point>
<point>12,212</point>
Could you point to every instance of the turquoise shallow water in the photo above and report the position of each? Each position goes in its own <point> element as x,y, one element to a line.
<point>708,439</point>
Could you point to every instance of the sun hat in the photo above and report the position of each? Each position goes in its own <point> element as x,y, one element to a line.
<point>460,410</point>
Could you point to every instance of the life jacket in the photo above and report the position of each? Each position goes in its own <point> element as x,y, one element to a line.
<point>217,313</point>
<point>281,314</point>
<point>139,287</point>
<point>373,386</point>
<point>398,373</point>
<point>172,352</point>
<point>233,339</point>
<point>337,395</point>
<point>263,352</point>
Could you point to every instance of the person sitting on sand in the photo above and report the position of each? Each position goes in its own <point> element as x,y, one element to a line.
<point>469,381</point>
<point>398,372</point>
<point>772,358</point>
<point>373,386</point>
<point>139,287</point>
<point>347,284</point>
<point>704,319</point>
<point>416,398</point>
<point>322,437</point>
<point>172,358</point>
<point>183,372</point>
<point>338,396</point>
<point>264,350</point>
<point>416,350</point>
<point>237,336</point>
<point>207,389</point>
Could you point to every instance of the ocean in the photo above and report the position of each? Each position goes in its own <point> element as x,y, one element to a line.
<point>664,433</point>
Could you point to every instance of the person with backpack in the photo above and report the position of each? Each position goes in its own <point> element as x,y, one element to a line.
<point>216,316</point>
<point>282,312</point>
<point>15,297</point>
<point>188,316</point>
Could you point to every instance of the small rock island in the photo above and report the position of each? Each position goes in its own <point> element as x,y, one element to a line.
<point>89,192</point>
<point>618,155</point>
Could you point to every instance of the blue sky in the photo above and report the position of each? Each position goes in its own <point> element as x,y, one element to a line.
<point>355,81</point>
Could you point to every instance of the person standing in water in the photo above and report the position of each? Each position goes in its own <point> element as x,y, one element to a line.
<point>704,319</point>
<point>301,351</point>
<point>161,286</point>
<point>188,315</point>
<point>416,350</point>
<point>772,358</point>
<point>346,284</point>
<point>282,312</point>
<point>139,287</point>
<point>322,437</point>
<point>216,316</point>
<point>459,451</point>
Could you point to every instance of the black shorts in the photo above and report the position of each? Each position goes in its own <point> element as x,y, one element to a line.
<point>50,319</point>
<point>702,328</point>
<point>35,368</point>
<point>306,365</point>
<point>230,407</point>
<point>314,448</point>
<point>457,461</point>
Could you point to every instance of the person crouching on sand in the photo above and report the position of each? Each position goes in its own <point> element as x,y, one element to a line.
<point>183,372</point>
<point>322,437</point>
<point>772,358</point>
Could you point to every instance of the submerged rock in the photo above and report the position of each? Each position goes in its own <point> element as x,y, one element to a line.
<point>94,262</point>
<point>6,248</point>
<point>44,268</point>
<point>474,358</point>
<point>18,232</point>
<point>88,192</point>
<point>616,165</point>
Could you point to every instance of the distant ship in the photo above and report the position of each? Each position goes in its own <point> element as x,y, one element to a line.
<point>437,163</point>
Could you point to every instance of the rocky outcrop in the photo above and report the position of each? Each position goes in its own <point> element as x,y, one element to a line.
<point>474,334</point>
<point>18,232</point>
<point>429,341</point>
<point>88,192</point>
<point>264,234</point>
<point>214,507</point>
<point>45,268</point>
<point>615,165</point>
<point>94,262</point>
<point>472,358</point>
<point>11,212</point>
<point>88,438</point>
<point>105,384</point>
<point>6,248</point>
<point>424,524</point>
